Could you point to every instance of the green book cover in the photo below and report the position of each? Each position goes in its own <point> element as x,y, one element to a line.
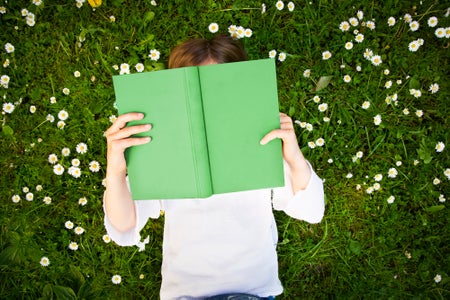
<point>207,122</point>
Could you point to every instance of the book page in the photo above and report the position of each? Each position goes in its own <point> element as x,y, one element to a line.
<point>240,103</point>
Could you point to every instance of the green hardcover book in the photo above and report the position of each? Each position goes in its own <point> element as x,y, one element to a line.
<point>207,122</point>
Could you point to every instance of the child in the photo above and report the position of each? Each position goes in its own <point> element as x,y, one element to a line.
<point>224,244</point>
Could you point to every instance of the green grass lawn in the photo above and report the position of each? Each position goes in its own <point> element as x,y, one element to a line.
<point>367,83</point>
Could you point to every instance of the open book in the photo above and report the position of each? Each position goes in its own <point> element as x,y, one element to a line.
<point>207,122</point>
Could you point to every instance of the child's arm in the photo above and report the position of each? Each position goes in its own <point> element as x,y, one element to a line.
<point>119,205</point>
<point>299,168</point>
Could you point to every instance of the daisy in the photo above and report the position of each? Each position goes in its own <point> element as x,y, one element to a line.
<point>112,19</point>
<point>326,55</point>
<point>239,33</point>
<point>434,88</point>
<point>436,181</point>
<point>213,27</point>
<point>358,68</point>
<point>407,18</point>
<point>44,261</point>
<point>370,25</point>
<point>58,169</point>
<point>112,118</point>
<point>279,5</point>
<point>376,60</point>
<point>15,199</point>
<point>442,198</point>
<point>282,56</point>
<point>74,171</point>
<point>348,45</point>
<point>309,127</point>
<point>391,21</point>
<point>68,225</point>
<point>432,21</point>
<point>349,175</point>
<point>311,145</point>
<point>77,74</point>
<point>154,54</point>
<point>73,246</point>
<point>447,173</point>
<point>6,63</point>
<point>316,99</point>
<point>359,37</point>
<point>63,115</point>
<point>307,73</point>
<point>29,196</point>
<point>354,21</point>
<point>377,120</point>
<point>344,26</point>
<point>359,154</point>
<point>360,14</point>
<point>248,32</point>
<point>272,53</point>
<point>75,162</point>
<point>52,100</point>
<point>66,91</point>
<point>414,25</point>
<point>94,166</point>
<point>447,32</point>
<point>65,151</point>
<point>8,107</point>
<point>388,84</point>
<point>369,190</point>
<point>124,69</point>
<point>116,279</point>
<point>60,124</point>
<point>4,81</point>
<point>437,278</point>
<point>263,8</point>
<point>153,2</point>
<point>81,148</point>
<point>106,238</point>
<point>323,107</point>
<point>9,48</point>
<point>139,67</point>
<point>440,32</point>
<point>52,158</point>
<point>386,72</point>
<point>368,54</point>
<point>347,78</point>
<point>413,46</point>
<point>32,109</point>
<point>440,146</point>
<point>291,6</point>
<point>378,177</point>
<point>47,200</point>
<point>79,230</point>
<point>82,201</point>
<point>392,173</point>
<point>376,186</point>
<point>391,199</point>
<point>320,142</point>
<point>419,113</point>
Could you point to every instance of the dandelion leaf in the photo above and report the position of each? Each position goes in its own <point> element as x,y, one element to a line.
<point>323,82</point>
<point>355,247</point>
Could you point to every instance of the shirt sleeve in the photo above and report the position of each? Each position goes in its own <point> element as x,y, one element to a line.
<point>307,205</point>
<point>145,209</point>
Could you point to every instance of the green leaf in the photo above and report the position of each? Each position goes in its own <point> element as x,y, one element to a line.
<point>355,247</point>
<point>323,82</point>
<point>7,131</point>
<point>64,293</point>
<point>414,83</point>
<point>47,292</point>
<point>434,208</point>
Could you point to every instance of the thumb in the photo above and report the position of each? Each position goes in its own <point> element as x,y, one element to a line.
<point>270,136</point>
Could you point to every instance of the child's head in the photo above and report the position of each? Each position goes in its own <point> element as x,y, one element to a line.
<point>196,52</point>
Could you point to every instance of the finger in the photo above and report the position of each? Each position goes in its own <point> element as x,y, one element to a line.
<point>128,131</point>
<point>122,121</point>
<point>121,145</point>
<point>274,134</point>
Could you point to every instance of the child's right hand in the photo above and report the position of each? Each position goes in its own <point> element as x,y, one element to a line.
<point>118,138</point>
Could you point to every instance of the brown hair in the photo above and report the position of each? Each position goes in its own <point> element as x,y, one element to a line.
<point>221,49</point>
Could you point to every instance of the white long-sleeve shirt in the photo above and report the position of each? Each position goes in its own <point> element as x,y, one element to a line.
<point>225,243</point>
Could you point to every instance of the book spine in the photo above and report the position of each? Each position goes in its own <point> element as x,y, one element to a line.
<point>194,109</point>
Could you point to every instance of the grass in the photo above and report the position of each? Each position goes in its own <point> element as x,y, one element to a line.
<point>365,247</point>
